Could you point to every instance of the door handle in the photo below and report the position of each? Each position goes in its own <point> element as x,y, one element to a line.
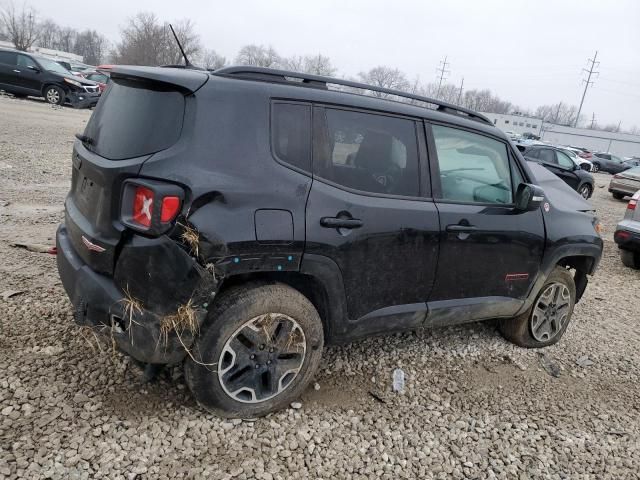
<point>17,71</point>
<point>461,228</point>
<point>337,222</point>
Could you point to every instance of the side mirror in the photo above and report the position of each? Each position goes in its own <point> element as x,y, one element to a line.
<point>35,69</point>
<point>528,197</point>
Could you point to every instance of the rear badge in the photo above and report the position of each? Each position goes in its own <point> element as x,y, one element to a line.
<point>92,246</point>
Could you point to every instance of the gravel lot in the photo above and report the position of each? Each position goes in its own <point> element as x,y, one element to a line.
<point>474,407</point>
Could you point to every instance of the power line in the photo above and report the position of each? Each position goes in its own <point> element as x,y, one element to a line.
<point>443,70</point>
<point>587,83</point>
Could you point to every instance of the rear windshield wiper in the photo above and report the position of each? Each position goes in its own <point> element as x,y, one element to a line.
<point>84,139</point>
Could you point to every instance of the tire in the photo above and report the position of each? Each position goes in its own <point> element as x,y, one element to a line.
<point>520,330</point>
<point>230,390</point>
<point>618,196</point>
<point>596,167</point>
<point>585,191</point>
<point>54,95</point>
<point>630,259</point>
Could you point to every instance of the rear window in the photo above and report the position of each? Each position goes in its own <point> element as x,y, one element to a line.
<point>134,119</point>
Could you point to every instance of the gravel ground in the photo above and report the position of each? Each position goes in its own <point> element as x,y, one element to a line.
<point>474,407</point>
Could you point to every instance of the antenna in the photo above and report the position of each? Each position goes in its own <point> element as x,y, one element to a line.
<point>187,63</point>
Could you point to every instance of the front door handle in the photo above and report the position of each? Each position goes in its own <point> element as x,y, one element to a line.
<point>461,228</point>
<point>337,222</point>
<point>17,71</point>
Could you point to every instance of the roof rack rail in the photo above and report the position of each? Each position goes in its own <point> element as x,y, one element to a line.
<point>318,81</point>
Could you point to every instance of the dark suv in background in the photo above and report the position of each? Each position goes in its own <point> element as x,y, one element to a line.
<point>558,162</point>
<point>24,74</point>
<point>240,220</point>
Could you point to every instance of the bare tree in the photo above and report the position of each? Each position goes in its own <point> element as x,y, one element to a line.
<point>211,60</point>
<point>21,26</point>
<point>48,33</point>
<point>91,45</point>
<point>319,65</point>
<point>560,113</point>
<point>385,77</point>
<point>258,56</point>
<point>147,42</point>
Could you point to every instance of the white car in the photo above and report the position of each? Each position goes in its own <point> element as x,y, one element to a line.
<point>578,160</point>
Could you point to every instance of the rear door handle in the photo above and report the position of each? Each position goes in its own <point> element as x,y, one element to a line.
<point>336,222</point>
<point>461,228</point>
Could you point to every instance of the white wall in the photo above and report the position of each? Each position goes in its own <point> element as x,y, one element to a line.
<point>622,144</point>
<point>48,52</point>
<point>500,120</point>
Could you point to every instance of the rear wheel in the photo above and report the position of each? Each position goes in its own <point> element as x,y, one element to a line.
<point>618,196</point>
<point>545,322</point>
<point>630,259</point>
<point>585,191</point>
<point>54,95</point>
<point>257,351</point>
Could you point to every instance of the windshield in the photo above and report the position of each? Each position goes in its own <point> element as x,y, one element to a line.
<point>571,153</point>
<point>52,66</point>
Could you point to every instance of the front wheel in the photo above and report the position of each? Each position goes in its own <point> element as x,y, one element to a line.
<point>258,350</point>
<point>596,167</point>
<point>54,95</point>
<point>585,191</point>
<point>545,322</point>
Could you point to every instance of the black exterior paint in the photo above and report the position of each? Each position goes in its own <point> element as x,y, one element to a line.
<point>260,218</point>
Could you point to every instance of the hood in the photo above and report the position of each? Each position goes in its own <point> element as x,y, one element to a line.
<point>70,76</point>
<point>558,193</point>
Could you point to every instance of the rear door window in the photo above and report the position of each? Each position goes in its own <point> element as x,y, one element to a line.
<point>369,152</point>
<point>291,134</point>
<point>134,119</point>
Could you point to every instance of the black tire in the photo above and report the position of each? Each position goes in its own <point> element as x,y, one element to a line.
<point>54,95</point>
<point>519,330</point>
<point>618,196</point>
<point>585,191</point>
<point>226,321</point>
<point>596,167</point>
<point>630,259</point>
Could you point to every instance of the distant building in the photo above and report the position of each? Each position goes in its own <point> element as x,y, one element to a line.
<point>48,52</point>
<point>622,144</point>
<point>509,122</point>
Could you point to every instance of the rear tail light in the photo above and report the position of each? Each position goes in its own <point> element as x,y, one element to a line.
<point>150,206</point>
<point>621,236</point>
<point>632,204</point>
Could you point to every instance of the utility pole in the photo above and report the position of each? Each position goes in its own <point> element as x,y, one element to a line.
<point>460,92</point>
<point>443,70</point>
<point>593,120</point>
<point>587,83</point>
<point>619,123</point>
<point>557,118</point>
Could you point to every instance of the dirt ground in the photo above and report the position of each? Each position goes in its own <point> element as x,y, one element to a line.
<point>475,406</point>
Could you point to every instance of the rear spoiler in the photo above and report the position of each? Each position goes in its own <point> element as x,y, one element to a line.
<point>186,79</point>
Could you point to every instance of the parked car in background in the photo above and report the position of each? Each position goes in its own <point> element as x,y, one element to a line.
<point>627,234</point>
<point>583,152</point>
<point>25,74</point>
<point>558,162</point>
<point>625,183</point>
<point>607,162</point>
<point>530,136</point>
<point>513,135</point>
<point>583,163</point>
<point>101,78</point>
<point>75,67</point>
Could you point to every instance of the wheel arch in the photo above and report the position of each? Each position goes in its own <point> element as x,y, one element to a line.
<point>53,84</point>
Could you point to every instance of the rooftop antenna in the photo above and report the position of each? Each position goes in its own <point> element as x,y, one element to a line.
<point>187,63</point>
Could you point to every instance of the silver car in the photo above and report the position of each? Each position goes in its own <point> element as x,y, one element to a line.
<point>625,183</point>
<point>627,234</point>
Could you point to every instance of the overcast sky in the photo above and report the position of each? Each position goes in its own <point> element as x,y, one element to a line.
<point>527,52</point>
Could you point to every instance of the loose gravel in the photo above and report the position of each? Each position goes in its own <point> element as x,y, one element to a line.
<point>474,406</point>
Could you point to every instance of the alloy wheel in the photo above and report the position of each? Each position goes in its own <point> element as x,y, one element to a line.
<point>584,191</point>
<point>53,96</point>
<point>551,312</point>
<point>262,358</point>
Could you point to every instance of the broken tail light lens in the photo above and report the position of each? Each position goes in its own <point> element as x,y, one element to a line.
<point>150,206</point>
<point>143,206</point>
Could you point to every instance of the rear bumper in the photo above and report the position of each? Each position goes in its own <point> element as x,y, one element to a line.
<point>101,305</point>
<point>622,187</point>
<point>627,235</point>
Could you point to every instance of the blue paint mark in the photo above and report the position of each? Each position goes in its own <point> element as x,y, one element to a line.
<point>290,257</point>
<point>236,260</point>
<point>279,267</point>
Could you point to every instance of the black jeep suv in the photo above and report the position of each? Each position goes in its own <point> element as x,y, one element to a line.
<point>24,74</point>
<point>240,220</point>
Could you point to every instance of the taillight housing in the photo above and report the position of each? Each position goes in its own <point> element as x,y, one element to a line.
<point>633,203</point>
<point>150,206</point>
